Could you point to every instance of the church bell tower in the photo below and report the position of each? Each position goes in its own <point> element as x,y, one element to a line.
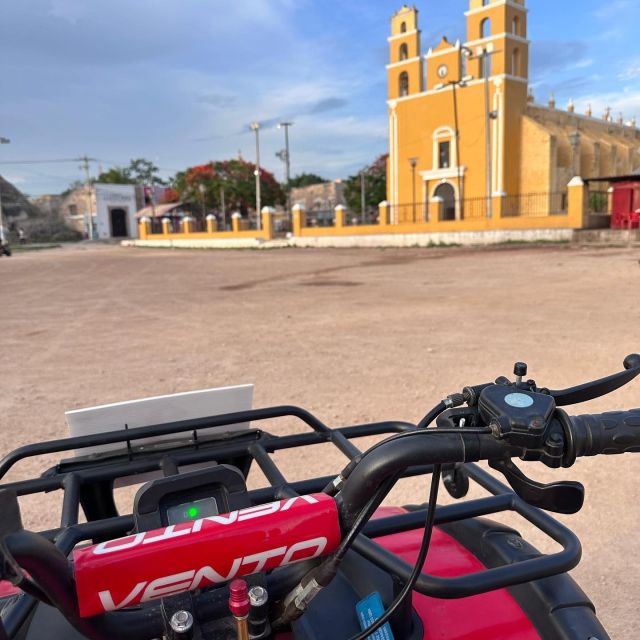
<point>404,71</point>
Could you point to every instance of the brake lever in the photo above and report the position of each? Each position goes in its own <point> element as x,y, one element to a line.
<point>560,497</point>
<point>601,387</point>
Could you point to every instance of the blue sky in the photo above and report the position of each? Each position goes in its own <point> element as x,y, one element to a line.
<point>177,81</point>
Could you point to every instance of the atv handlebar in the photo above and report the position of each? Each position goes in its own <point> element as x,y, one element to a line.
<point>587,435</point>
<point>608,433</point>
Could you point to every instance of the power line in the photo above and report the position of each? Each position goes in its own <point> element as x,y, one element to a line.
<point>49,161</point>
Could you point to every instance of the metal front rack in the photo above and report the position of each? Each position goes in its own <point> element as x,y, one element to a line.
<point>87,482</point>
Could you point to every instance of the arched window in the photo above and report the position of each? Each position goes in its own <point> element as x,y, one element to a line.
<point>444,151</point>
<point>403,27</point>
<point>403,84</point>
<point>515,62</point>
<point>404,51</point>
<point>515,26</point>
<point>485,28</point>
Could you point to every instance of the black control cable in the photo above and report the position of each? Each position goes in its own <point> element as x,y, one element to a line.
<point>422,554</point>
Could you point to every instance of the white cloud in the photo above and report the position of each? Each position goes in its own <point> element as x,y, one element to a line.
<point>632,71</point>
<point>626,102</point>
<point>582,64</point>
<point>613,9</point>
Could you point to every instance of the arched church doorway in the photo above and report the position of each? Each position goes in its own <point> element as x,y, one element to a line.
<point>448,195</point>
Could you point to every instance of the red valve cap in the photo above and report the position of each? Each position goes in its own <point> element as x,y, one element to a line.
<point>239,598</point>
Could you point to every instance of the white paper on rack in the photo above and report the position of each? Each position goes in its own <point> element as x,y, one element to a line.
<point>159,410</point>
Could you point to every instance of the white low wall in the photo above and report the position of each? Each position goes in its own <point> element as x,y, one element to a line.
<point>465,238</point>
<point>235,243</point>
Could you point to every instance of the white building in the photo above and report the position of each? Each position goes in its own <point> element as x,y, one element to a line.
<point>115,214</point>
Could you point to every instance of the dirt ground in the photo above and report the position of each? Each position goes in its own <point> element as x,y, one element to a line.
<point>352,335</point>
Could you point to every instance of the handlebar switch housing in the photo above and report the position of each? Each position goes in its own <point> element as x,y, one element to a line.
<point>517,415</point>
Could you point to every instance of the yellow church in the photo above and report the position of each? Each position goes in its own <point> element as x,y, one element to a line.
<point>465,132</point>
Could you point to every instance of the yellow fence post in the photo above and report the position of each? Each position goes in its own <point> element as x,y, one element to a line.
<point>166,226</point>
<point>267,222</point>
<point>383,213</point>
<point>341,212</point>
<point>235,222</point>
<point>299,219</point>
<point>187,224</point>
<point>212,223</point>
<point>610,200</point>
<point>577,202</point>
<point>144,227</point>
<point>436,206</point>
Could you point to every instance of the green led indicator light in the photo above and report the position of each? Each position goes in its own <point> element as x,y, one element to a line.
<point>193,512</point>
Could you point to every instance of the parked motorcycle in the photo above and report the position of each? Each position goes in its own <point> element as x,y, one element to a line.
<point>203,557</point>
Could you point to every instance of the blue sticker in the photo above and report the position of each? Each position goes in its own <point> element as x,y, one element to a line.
<point>369,609</point>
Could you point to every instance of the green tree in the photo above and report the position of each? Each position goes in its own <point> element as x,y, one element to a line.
<point>144,172</point>
<point>305,179</point>
<point>203,186</point>
<point>139,171</point>
<point>375,185</point>
<point>115,175</point>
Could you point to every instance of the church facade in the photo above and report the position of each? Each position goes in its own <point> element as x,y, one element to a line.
<point>466,133</point>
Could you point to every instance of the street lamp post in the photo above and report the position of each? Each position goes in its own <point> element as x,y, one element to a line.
<point>413,162</point>
<point>255,126</point>
<point>2,239</point>
<point>287,161</point>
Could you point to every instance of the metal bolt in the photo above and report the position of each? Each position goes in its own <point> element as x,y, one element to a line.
<point>181,621</point>
<point>257,596</point>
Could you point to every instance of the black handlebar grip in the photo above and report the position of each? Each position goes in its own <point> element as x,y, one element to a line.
<point>608,433</point>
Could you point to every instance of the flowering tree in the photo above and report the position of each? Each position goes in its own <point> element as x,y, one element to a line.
<point>204,185</point>
<point>170,195</point>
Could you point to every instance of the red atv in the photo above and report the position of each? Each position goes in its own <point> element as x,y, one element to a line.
<point>202,557</point>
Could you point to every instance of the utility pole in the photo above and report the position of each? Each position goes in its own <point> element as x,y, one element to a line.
<point>255,126</point>
<point>460,82</point>
<point>287,164</point>
<point>85,165</point>
<point>489,115</point>
<point>222,207</point>
<point>2,239</point>
<point>459,168</point>
<point>362,197</point>
<point>152,201</point>
<point>202,190</point>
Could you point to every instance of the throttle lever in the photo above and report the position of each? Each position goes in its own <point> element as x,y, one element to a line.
<point>559,497</point>
<point>601,387</point>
